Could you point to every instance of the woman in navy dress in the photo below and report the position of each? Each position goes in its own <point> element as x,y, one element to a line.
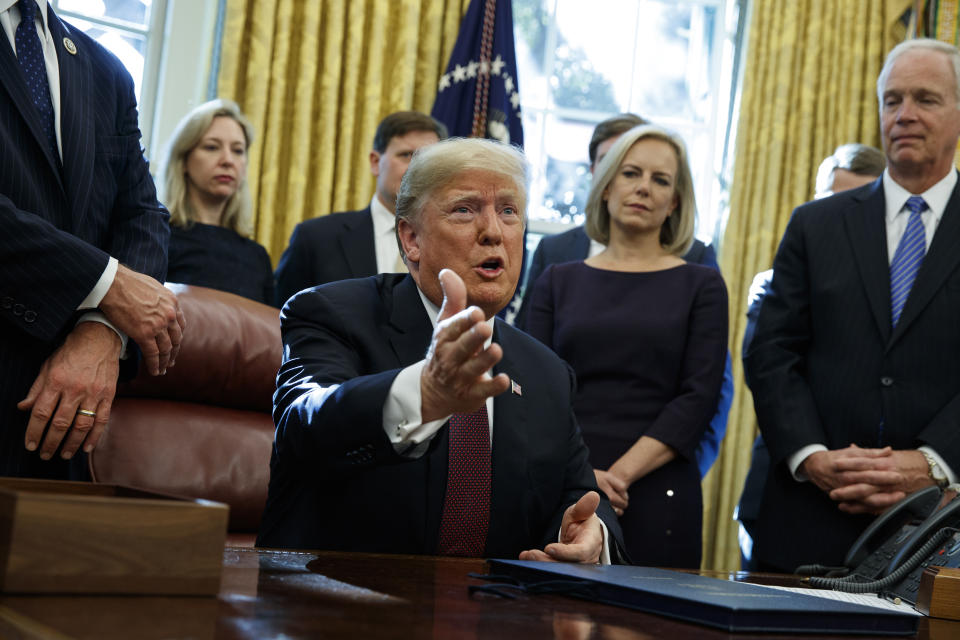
<point>205,188</point>
<point>646,334</point>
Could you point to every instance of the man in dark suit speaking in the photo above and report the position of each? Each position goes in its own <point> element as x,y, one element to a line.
<point>410,422</point>
<point>854,364</point>
<point>83,243</point>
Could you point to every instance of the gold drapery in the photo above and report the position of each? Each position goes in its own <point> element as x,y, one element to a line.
<point>809,85</point>
<point>315,78</point>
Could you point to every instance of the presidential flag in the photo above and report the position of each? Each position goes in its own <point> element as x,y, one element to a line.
<point>478,96</point>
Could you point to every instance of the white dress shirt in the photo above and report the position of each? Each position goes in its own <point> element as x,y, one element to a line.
<point>9,21</point>
<point>384,237</point>
<point>895,216</point>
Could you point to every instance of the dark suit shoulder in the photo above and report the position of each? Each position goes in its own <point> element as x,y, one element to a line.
<point>572,244</point>
<point>336,219</point>
<point>356,293</point>
<point>700,253</point>
<point>842,201</point>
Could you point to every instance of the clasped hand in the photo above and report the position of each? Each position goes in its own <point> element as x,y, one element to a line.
<point>867,480</point>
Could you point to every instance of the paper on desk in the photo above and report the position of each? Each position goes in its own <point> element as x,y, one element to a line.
<point>867,599</point>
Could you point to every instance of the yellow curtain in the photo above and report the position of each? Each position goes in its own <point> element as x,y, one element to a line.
<point>315,78</point>
<point>809,85</point>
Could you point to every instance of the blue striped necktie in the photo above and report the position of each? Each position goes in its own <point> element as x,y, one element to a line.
<point>907,258</point>
<point>30,57</point>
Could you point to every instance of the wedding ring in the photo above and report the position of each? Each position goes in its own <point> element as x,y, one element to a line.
<point>84,412</point>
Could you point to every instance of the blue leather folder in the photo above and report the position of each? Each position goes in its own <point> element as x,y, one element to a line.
<point>724,604</point>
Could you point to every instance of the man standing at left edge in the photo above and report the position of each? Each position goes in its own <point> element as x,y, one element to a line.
<point>83,243</point>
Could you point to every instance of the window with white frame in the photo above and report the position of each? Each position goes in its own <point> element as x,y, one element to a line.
<point>132,31</point>
<point>670,61</point>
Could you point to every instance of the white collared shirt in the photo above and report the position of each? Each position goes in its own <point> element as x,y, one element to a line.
<point>384,236</point>
<point>897,214</point>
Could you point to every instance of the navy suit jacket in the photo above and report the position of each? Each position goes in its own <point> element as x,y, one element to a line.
<point>336,481</point>
<point>334,247</point>
<point>60,222</point>
<point>574,244</point>
<point>826,366</point>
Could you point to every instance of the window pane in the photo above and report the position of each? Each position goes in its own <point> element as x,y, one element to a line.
<point>129,47</point>
<point>581,62</point>
<point>672,59</point>
<point>136,12</point>
<point>566,180</point>
<point>593,71</point>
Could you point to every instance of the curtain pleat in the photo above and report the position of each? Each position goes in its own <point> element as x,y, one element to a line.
<point>809,85</point>
<point>315,78</point>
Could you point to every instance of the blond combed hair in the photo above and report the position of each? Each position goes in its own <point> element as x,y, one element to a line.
<point>238,210</point>
<point>676,234</point>
<point>435,165</point>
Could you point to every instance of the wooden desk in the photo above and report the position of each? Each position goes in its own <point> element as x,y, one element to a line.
<point>267,594</point>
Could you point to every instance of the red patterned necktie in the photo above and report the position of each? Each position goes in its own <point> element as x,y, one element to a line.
<point>466,506</point>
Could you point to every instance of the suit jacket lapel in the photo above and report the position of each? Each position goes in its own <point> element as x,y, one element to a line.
<point>359,248</point>
<point>409,334</point>
<point>76,121</point>
<point>11,78</point>
<point>508,466</point>
<point>410,321</point>
<point>867,234</point>
<point>941,260</point>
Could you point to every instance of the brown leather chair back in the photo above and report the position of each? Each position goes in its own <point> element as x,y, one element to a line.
<point>204,429</point>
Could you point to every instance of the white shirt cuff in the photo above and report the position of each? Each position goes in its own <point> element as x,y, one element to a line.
<point>401,414</point>
<point>794,461</point>
<point>97,316</point>
<point>93,299</point>
<point>939,460</point>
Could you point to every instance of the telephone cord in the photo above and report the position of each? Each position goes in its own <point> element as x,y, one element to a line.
<point>844,584</point>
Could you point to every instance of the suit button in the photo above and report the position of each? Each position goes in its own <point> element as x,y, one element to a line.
<point>7,302</point>
<point>886,381</point>
<point>30,316</point>
<point>18,309</point>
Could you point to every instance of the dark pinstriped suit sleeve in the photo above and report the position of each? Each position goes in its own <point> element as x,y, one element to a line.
<point>139,230</point>
<point>53,254</point>
<point>46,271</point>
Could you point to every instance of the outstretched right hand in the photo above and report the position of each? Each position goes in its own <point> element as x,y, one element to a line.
<point>455,378</point>
<point>149,314</point>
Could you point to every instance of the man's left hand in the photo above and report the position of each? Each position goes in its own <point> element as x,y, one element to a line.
<point>81,374</point>
<point>874,485</point>
<point>581,535</point>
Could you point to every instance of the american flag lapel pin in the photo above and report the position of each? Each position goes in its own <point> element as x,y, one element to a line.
<point>515,388</point>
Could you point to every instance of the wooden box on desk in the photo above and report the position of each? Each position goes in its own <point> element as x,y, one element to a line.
<point>77,537</point>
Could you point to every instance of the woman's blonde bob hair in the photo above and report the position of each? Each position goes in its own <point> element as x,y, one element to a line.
<point>676,234</point>
<point>238,211</point>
